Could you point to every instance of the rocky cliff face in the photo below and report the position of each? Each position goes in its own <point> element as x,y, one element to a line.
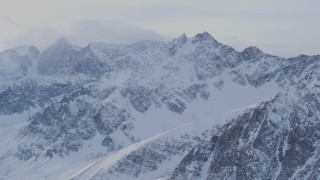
<point>276,140</point>
<point>189,109</point>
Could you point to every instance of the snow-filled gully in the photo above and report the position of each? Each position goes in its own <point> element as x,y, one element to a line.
<point>91,170</point>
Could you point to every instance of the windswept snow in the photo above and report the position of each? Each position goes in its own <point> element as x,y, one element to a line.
<point>103,163</point>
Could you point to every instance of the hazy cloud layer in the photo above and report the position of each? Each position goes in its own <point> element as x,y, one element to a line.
<point>7,20</point>
<point>82,33</point>
<point>286,27</point>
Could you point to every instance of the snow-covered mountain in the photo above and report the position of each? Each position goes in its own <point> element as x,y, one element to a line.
<point>192,108</point>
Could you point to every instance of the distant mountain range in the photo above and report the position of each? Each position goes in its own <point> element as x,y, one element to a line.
<point>192,108</point>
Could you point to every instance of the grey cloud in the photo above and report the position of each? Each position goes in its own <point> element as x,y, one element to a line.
<point>39,37</point>
<point>7,20</point>
<point>83,33</point>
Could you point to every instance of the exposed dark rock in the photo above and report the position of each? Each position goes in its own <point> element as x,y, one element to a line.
<point>251,54</point>
<point>107,141</point>
<point>60,58</point>
<point>195,90</point>
<point>110,118</point>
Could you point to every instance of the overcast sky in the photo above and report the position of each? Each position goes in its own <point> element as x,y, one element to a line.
<point>280,27</point>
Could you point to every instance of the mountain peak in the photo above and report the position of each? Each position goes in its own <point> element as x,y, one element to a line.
<point>62,41</point>
<point>251,53</point>
<point>27,50</point>
<point>180,41</point>
<point>177,43</point>
<point>63,45</point>
<point>182,36</point>
<point>204,37</point>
